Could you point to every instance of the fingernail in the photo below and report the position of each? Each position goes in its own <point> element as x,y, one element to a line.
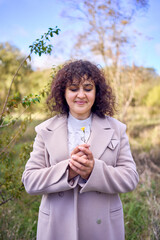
<point>81,148</point>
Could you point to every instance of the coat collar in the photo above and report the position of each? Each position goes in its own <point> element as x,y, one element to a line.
<point>56,132</point>
<point>101,135</point>
<point>56,122</point>
<point>56,138</point>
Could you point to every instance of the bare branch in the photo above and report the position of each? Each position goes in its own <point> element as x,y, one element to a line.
<point>8,124</point>
<point>11,142</point>
<point>5,201</point>
<point>6,100</point>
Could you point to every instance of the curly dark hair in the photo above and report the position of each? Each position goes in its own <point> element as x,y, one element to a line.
<point>76,70</point>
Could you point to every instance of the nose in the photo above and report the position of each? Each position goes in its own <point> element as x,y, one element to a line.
<point>81,93</point>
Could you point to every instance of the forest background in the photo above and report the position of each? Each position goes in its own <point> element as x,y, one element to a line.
<point>107,38</point>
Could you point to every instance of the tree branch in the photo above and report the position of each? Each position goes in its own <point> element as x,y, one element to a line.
<point>6,125</point>
<point>6,100</point>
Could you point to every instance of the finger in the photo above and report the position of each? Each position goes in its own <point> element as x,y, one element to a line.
<point>77,168</point>
<point>82,160</point>
<point>84,172</point>
<point>86,151</point>
<point>76,149</point>
<point>73,168</point>
<point>85,145</point>
<point>79,154</point>
<point>78,165</point>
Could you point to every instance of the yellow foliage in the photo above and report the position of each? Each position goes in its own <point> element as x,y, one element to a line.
<point>153,97</point>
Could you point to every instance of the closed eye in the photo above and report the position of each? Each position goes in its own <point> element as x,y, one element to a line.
<point>86,87</point>
<point>87,90</point>
<point>73,89</point>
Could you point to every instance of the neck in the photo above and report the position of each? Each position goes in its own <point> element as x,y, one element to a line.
<point>80,116</point>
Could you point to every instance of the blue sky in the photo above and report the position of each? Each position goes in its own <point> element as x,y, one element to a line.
<point>22,21</point>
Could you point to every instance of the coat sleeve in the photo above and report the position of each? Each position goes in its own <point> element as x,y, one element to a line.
<point>114,179</point>
<point>41,178</point>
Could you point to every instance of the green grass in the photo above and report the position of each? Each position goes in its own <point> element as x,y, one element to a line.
<point>19,218</point>
<point>136,216</point>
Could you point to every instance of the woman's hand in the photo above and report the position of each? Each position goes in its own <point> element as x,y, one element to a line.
<point>72,173</point>
<point>82,161</point>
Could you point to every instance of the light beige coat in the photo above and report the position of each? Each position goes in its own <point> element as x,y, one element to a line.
<point>78,210</point>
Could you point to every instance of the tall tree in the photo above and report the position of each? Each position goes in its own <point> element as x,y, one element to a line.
<point>107,35</point>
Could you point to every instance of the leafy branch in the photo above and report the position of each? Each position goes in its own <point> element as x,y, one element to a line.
<point>10,172</point>
<point>38,47</point>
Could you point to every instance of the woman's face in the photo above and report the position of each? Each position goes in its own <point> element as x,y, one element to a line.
<point>80,98</point>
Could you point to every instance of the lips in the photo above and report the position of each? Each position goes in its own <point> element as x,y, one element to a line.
<point>80,102</point>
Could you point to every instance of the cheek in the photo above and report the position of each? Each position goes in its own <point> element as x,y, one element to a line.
<point>92,98</point>
<point>69,98</point>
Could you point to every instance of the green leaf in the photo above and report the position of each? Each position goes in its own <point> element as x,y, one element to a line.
<point>29,57</point>
<point>25,62</point>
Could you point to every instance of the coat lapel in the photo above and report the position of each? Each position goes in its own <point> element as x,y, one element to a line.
<point>56,139</point>
<point>101,135</point>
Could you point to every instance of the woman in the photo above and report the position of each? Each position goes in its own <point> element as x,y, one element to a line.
<point>81,160</point>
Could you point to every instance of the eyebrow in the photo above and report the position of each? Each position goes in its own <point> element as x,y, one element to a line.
<point>74,84</point>
<point>86,84</point>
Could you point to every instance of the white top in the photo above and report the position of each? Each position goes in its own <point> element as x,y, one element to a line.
<point>75,135</point>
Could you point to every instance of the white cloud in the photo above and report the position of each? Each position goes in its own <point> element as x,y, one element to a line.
<point>46,61</point>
